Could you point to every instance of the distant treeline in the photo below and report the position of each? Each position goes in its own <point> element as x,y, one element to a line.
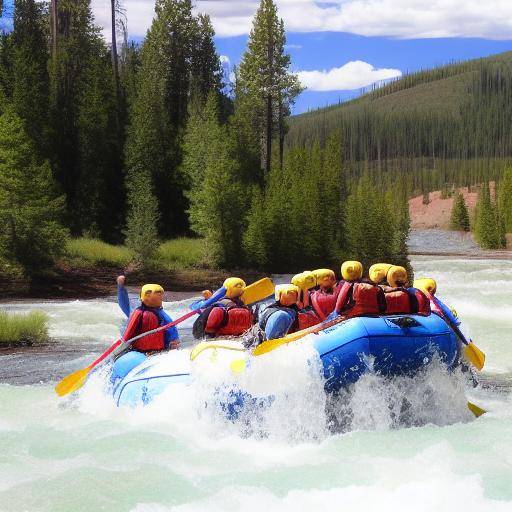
<point>465,145</point>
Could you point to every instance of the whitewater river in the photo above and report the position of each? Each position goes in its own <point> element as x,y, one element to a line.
<point>83,454</point>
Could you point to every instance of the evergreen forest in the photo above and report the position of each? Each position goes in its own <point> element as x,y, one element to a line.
<point>136,144</point>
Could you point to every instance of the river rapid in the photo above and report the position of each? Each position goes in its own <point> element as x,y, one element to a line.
<point>83,454</point>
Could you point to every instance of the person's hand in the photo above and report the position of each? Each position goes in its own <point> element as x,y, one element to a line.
<point>121,280</point>
<point>174,345</point>
<point>206,294</point>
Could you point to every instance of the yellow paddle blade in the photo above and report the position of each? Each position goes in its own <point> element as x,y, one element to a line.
<point>269,345</point>
<point>212,345</point>
<point>237,366</point>
<point>72,382</point>
<point>257,291</point>
<point>474,355</point>
<point>477,411</point>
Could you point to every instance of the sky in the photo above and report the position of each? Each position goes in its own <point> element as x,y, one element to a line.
<point>341,47</point>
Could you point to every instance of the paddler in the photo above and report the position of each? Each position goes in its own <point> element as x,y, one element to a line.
<point>324,298</point>
<point>358,297</point>
<point>400,297</point>
<point>228,316</point>
<point>144,318</point>
<point>129,304</point>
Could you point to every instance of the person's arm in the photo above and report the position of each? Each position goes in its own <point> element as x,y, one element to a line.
<point>172,337</point>
<point>123,298</point>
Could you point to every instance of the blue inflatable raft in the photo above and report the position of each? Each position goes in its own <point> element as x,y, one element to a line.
<point>387,345</point>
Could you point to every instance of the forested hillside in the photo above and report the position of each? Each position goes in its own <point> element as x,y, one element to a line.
<point>449,125</point>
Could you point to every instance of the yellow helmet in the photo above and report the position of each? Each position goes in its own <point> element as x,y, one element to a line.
<point>321,273</point>
<point>304,280</point>
<point>397,276</point>
<point>234,287</point>
<point>285,289</point>
<point>152,295</point>
<point>426,285</point>
<point>352,270</point>
<point>378,272</point>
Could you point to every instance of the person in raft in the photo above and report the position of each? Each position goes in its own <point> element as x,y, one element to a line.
<point>324,297</point>
<point>146,317</point>
<point>228,316</point>
<point>400,297</point>
<point>129,303</point>
<point>357,296</point>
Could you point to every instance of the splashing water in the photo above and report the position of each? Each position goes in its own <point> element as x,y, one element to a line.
<point>301,453</point>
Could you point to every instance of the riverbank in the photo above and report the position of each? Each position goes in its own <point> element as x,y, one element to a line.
<point>92,276</point>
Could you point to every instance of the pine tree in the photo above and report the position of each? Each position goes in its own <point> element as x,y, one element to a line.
<point>459,219</point>
<point>489,227</point>
<point>216,195</point>
<point>505,199</point>
<point>265,88</point>
<point>159,112</point>
<point>30,88</point>
<point>206,69</point>
<point>141,232</point>
<point>30,235</point>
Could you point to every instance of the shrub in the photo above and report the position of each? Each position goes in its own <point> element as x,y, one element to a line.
<point>23,328</point>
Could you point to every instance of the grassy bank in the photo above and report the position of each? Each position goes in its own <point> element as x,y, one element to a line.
<point>181,253</point>
<point>30,328</point>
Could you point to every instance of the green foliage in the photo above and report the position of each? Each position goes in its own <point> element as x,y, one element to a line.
<point>86,154</point>
<point>489,228</point>
<point>141,232</point>
<point>91,252</point>
<point>298,220</point>
<point>30,87</point>
<point>170,60</point>
<point>377,224</point>
<point>265,88</point>
<point>459,218</point>
<point>30,328</point>
<point>180,253</point>
<point>30,232</point>
<point>505,199</point>
<point>217,197</point>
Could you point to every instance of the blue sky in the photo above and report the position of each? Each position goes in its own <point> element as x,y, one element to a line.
<point>339,47</point>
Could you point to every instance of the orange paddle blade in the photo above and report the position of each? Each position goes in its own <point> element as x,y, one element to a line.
<point>72,382</point>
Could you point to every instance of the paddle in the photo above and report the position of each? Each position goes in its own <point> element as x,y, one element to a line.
<point>253,293</point>
<point>76,380</point>
<point>474,355</point>
<point>269,345</point>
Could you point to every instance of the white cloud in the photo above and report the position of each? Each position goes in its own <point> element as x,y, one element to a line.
<point>407,19</point>
<point>353,75</point>
<point>224,60</point>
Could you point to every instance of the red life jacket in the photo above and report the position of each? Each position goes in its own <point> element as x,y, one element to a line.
<point>324,303</point>
<point>423,301</point>
<point>358,299</point>
<point>306,319</point>
<point>399,301</point>
<point>144,320</point>
<point>228,322</point>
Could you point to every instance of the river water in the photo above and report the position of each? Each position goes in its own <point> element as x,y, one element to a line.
<point>84,454</point>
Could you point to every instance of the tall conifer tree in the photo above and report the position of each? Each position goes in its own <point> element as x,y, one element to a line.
<point>30,71</point>
<point>31,234</point>
<point>265,88</point>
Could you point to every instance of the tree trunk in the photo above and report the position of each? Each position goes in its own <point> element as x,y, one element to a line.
<point>53,13</point>
<point>281,133</point>
<point>268,136</point>
<point>115,59</point>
